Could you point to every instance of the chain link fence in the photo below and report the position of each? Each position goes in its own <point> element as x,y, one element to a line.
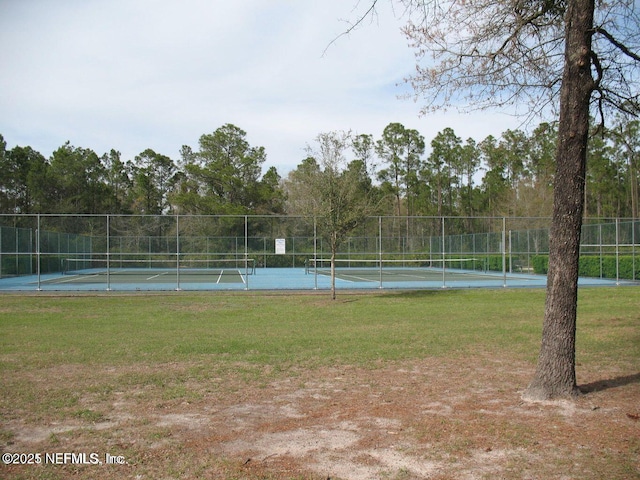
<point>42,244</point>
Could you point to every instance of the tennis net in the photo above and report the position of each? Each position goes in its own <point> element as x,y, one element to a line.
<point>419,267</point>
<point>183,266</point>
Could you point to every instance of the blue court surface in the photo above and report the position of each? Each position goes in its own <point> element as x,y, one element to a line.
<point>283,279</point>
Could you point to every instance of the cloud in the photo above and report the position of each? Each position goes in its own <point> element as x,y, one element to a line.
<point>137,74</point>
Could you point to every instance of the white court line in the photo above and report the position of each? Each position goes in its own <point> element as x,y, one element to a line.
<point>410,275</point>
<point>75,277</point>
<point>158,275</point>
<point>346,277</point>
<point>239,273</point>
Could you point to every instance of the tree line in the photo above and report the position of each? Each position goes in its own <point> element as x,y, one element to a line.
<point>511,175</point>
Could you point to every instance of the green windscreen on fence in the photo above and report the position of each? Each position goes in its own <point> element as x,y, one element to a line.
<point>32,250</point>
<point>16,245</point>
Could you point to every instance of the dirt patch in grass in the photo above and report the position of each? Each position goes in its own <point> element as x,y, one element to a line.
<point>434,418</point>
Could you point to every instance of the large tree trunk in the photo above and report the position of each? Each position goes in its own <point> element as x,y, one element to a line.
<point>555,375</point>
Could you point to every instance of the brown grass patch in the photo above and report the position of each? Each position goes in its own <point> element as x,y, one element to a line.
<point>433,418</point>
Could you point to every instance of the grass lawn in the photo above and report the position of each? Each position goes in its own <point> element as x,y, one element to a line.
<point>398,385</point>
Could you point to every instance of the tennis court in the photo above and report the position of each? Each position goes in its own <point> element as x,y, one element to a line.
<point>149,277</point>
<point>47,252</point>
<point>138,274</point>
<point>347,278</point>
<point>406,270</point>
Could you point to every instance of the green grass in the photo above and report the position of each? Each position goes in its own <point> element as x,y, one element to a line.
<point>69,359</point>
<point>308,330</point>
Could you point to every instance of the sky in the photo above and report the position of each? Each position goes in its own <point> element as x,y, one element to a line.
<point>136,74</point>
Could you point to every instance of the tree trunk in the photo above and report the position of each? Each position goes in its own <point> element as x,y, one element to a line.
<point>555,375</point>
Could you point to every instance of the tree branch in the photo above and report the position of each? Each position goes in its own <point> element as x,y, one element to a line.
<point>521,24</point>
<point>352,27</point>
<point>596,63</point>
<point>623,48</point>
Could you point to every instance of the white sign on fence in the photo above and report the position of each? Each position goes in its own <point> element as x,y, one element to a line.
<point>281,246</point>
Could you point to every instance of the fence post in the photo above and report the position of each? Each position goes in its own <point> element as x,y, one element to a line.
<point>177,252</point>
<point>246,252</point>
<point>504,251</point>
<point>600,247</point>
<point>617,251</point>
<point>38,250</point>
<point>380,251</point>
<point>108,252</point>
<point>315,253</point>
<point>633,248</point>
<point>30,256</point>
<point>510,252</point>
<point>444,267</point>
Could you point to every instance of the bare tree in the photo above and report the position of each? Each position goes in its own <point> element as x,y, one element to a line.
<point>540,56</point>
<point>325,187</point>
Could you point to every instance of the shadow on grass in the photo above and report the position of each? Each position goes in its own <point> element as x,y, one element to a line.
<point>418,293</point>
<point>601,385</point>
